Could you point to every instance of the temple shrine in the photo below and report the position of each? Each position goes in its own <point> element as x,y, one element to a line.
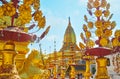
<point>69,54</point>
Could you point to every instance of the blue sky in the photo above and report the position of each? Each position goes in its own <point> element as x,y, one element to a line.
<point>57,13</point>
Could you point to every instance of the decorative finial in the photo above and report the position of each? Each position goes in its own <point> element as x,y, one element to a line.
<point>54,46</point>
<point>40,47</point>
<point>69,24</point>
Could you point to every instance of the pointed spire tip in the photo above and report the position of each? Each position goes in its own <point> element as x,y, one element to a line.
<point>69,21</point>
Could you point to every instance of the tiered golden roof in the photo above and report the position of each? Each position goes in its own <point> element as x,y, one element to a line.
<point>69,42</point>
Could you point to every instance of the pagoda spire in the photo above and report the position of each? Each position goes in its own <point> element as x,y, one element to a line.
<point>69,23</point>
<point>55,54</point>
<point>54,46</point>
<point>69,38</point>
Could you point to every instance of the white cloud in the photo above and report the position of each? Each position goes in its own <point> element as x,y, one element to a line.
<point>54,19</point>
<point>82,2</point>
<point>51,37</point>
<point>115,4</point>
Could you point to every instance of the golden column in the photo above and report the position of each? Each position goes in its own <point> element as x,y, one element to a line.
<point>8,67</point>
<point>55,72</point>
<point>87,73</point>
<point>72,73</point>
<point>101,72</point>
<point>62,75</point>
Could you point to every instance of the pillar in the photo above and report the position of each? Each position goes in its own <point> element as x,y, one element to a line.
<point>87,73</point>
<point>101,72</point>
<point>72,73</point>
<point>62,75</point>
<point>55,73</point>
<point>8,67</point>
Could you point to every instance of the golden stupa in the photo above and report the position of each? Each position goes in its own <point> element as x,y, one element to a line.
<point>69,42</point>
<point>69,54</point>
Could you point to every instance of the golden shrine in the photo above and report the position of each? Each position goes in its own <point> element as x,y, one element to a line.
<point>15,38</point>
<point>103,27</point>
<point>71,52</point>
<point>69,55</point>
